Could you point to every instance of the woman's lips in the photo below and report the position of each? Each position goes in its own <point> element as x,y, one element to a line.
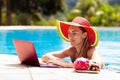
<point>71,41</point>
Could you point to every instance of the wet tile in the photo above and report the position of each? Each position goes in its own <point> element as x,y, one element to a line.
<point>11,69</point>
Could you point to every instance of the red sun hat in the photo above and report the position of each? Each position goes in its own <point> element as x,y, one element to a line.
<point>63,27</point>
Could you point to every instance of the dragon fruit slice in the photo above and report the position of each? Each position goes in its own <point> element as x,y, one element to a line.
<point>81,64</point>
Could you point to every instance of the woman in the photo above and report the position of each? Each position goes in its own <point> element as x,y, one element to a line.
<point>83,39</point>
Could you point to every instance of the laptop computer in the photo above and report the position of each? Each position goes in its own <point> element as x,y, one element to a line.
<point>27,54</point>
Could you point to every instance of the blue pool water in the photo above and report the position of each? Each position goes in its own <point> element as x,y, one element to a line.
<point>48,40</point>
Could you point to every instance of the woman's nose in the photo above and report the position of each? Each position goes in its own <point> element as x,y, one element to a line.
<point>70,37</point>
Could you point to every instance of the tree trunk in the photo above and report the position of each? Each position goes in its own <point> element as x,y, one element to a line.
<point>0,12</point>
<point>8,13</point>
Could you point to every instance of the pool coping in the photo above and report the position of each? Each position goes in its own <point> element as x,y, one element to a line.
<point>26,27</point>
<point>11,69</point>
<point>48,27</point>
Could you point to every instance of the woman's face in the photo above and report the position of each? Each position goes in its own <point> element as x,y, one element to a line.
<point>76,36</point>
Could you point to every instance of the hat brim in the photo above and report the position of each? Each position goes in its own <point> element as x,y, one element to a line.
<point>63,27</point>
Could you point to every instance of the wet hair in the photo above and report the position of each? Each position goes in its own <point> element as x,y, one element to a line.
<point>82,29</point>
<point>85,46</point>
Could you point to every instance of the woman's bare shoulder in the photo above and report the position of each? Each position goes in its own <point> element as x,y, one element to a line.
<point>92,51</point>
<point>70,50</point>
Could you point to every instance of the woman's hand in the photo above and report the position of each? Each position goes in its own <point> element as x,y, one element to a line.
<point>61,62</point>
<point>93,66</point>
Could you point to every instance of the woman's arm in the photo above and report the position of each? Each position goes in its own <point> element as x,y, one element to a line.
<point>62,63</point>
<point>53,56</point>
<point>95,57</point>
<point>57,57</point>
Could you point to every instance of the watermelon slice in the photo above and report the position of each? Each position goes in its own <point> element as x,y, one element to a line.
<point>96,37</point>
<point>62,30</point>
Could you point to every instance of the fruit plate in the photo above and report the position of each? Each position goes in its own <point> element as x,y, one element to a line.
<point>87,71</point>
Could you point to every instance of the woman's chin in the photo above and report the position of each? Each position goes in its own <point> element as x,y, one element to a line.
<point>72,45</point>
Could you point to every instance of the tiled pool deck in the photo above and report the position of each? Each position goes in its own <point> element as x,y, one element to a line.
<point>11,69</point>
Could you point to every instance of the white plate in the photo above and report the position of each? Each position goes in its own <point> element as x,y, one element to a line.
<point>87,71</point>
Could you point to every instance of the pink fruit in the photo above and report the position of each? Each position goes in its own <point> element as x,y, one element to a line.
<point>81,64</point>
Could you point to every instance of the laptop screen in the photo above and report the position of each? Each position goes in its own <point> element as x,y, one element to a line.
<point>26,52</point>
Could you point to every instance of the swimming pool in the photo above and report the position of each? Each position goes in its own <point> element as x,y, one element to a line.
<point>48,40</point>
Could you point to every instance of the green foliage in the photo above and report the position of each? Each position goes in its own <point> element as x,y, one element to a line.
<point>33,12</point>
<point>3,17</point>
<point>46,7</point>
<point>97,12</point>
<point>105,16</point>
<point>85,8</point>
<point>45,12</point>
